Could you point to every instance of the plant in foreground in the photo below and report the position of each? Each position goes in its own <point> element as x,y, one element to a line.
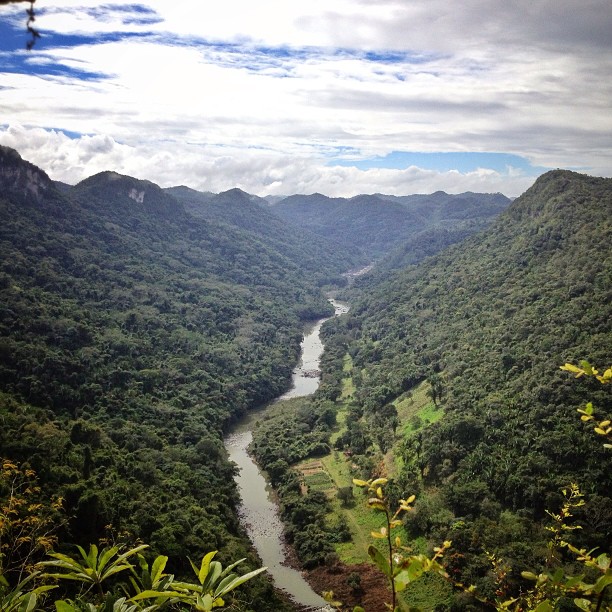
<point>396,563</point>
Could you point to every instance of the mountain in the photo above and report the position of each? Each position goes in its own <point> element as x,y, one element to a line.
<point>127,195</point>
<point>379,224</point>
<point>250,213</point>
<point>486,324</point>
<point>131,334</point>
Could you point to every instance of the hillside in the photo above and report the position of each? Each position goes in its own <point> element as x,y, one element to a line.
<point>250,213</point>
<point>131,334</point>
<point>415,226</point>
<point>486,324</point>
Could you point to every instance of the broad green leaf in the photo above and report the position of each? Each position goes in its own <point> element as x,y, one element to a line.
<point>226,581</point>
<point>204,567</point>
<point>238,581</point>
<point>206,603</point>
<point>131,551</point>
<point>92,556</point>
<point>229,568</point>
<point>105,557</point>
<point>28,603</point>
<point>603,582</point>
<point>152,594</point>
<point>381,562</point>
<point>115,569</point>
<point>214,572</point>
<point>583,604</point>
<point>157,569</point>
<point>545,606</point>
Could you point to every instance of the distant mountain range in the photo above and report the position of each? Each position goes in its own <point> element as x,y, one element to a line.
<point>415,225</point>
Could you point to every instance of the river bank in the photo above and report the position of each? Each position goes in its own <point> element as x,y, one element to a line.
<point>258,511</point>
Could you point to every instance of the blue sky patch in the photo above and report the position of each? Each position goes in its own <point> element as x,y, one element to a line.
<point>444,162</point>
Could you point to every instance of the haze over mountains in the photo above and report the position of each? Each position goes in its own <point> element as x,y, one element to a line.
<point>136,323</point>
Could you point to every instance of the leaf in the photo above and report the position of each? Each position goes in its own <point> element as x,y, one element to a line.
<point>152,594</point>
<point>376,503</point>
<point>206,603</point>
<point>568,367</point>
<point>379,560</point>
<point>603,582</point>
<point>229,568</point>
<point>379,481</point>
<point>583,604</point>
<point>359,483</point>
<point>157,568</point>
<point>105,557</point>
<point>544,607</point>
<point>132,551</point>
<point>214,572</point>
<point>204,566</point>
<point>238,581</point>
<point>29,603</point>
<point>414,571</point>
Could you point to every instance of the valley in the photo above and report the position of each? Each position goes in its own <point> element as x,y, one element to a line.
<point>138,325</point>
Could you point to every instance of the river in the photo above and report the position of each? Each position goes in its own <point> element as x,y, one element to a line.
<point>258,511</point>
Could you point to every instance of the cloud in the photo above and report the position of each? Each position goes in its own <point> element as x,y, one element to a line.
<point>252,94</point>
<point>258,171</point>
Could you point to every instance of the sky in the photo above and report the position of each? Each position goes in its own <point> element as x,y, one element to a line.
<point>339,97</point>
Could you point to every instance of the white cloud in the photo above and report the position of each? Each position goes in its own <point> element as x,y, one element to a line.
<point>281,88</point>
<point>217,169</point>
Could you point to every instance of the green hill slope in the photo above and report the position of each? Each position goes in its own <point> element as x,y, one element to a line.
<point>379,224</point>
<point>131,334</point>
<point>249,213</point>
<point>489,322</point>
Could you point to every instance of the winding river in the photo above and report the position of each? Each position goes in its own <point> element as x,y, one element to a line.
<point>258,512</point>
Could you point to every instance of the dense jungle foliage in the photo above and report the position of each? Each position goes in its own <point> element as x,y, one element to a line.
<point>414,226</point>
<point>487,324</point>
<point>137,323</point>
<point>131,334</point>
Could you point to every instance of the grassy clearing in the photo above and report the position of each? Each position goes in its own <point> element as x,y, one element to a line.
<point>333,471</point>
<point>416,409</point>
<point>348,389</point>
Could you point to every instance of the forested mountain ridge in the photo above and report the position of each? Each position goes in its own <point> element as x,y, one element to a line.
<point>128,196</point>
<point>379,223</point>
<point>488,322</point>
<point>131,334</point>
<point>251,213</point>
